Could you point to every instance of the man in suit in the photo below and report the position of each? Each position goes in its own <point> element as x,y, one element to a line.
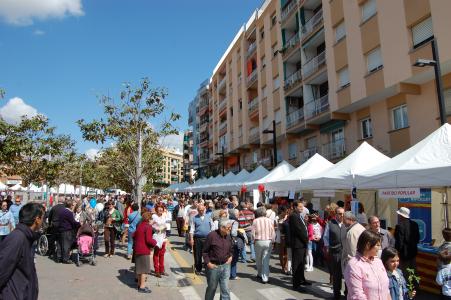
<point>299,241</point>
<point>407,237</point>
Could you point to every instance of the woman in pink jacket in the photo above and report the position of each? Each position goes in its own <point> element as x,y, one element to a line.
<point>365,274</point>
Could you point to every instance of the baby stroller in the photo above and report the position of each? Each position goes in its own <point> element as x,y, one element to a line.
<point>85,245</point>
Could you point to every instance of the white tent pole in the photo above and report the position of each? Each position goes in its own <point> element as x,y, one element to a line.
<point>445,203</point>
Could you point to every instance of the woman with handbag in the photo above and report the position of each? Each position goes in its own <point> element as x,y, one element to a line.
<point>6,221</point>
<point>112,225</point>
<point>143,244</point>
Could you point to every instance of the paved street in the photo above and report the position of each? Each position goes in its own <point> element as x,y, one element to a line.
<point>112,278</point>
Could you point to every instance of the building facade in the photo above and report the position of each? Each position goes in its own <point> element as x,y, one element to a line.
<point>188,157</point>
<point>331,74</point>
<point>172,168</point>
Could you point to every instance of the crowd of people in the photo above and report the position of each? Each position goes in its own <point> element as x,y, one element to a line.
<point>223,233</point>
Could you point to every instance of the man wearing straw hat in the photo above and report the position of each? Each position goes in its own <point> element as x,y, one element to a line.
<point>407,237</point>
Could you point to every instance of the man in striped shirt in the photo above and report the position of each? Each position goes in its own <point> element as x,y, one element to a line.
<point>245,219</point>
<point>264,234</point>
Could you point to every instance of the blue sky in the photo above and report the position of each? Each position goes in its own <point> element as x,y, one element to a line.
<point>57,58</point>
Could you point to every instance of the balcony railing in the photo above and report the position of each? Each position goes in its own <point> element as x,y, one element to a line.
<point>254,134</point>
<point>316,107</point>
<point>294,117</point>
<point>252,77</point>
<point>311,24</point>
<point>307,153</point>
<point>266,162</point>
<point>293,41</point>
<point>204,156</point>
<point>251,49</point>
<point>287,10</point>
<point>314,64</point>
<point>203,104</point>
<point>253,105</point>
<point>335,149</point>
<point>221,84</point>
<point>293,79</point>
<point>222,126</point>
<point>222,104</point>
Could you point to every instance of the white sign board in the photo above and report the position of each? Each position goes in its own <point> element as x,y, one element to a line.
<point>13,181</point>
<point>291,196</point>
<point>316,204</point>
<point>399,193</point>
<point>256,197</point>
<point>281,194</point>
<point>324,193</point>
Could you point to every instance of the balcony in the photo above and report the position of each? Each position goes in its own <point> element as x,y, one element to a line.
<point>291,44</point>
<point>312,23</point>
<point>286,12</point>
<point>251,49</point>
<point>314,64</point>
<point>223,128</point>
<point>334,150</point>
<point>291,80</point>
<point>253,105</point>
<point>222,105</point>
<point>316,107</point>
<point>254,135</point>
<point>295,117</point>
<point>307,153</point>
<point>204,156</point>
<point>221,84</point>
<point>266,162</point>
<point>252,78</point>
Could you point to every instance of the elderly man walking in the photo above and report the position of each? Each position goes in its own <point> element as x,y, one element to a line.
<point>387,239</point>
<point>407,237</point>
<point>334,238</point>
<point>200,227</point>
<point>217,255</point>
<point>264,234</point>
<point>354,229</point>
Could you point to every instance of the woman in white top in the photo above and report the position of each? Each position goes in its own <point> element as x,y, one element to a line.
<point>159,227</point>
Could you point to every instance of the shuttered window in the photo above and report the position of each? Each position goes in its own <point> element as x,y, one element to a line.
<point>340,31</point>
<point>374,60</point>
<point>368,9</point>
<point>422,32</point>
<point>343,77</point>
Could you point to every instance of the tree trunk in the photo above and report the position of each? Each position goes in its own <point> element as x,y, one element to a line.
<point>139,182</point>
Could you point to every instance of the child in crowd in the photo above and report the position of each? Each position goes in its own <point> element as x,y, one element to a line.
<point>446,233</point>
<point>309,256</point>
<point>397,283</point>
<point>444,275</point>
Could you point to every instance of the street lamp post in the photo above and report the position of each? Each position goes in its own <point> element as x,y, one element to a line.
<point>274,141</point>
<point>435,62</point>
<point>223,159</point>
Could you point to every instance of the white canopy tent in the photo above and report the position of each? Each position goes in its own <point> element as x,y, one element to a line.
<point>34,188</point>
<point>214,186</point>
<point>196,184</point>
<point>205,187</point>
<point>426,164</point>
<point>279,172</point>
<point>66,189</point>
<point>257,174</point>
<point>231,185</point>
<point>292,181</point>
<point>17,188</point>
<point>199,187</point>
<point>342,174</point>
<point>3,186</point>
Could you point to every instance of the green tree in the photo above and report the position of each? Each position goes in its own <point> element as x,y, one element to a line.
<point>135,157</point>
<point>32,150</point>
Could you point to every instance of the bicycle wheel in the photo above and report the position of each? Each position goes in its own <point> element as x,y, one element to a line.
<point>43,245</point>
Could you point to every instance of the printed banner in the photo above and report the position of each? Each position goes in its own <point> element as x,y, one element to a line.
<point>324,193</point>
<point>420,212</point>
<point>399,193</point>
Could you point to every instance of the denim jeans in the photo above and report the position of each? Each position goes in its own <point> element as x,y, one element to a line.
<point>244,254</point>
<point>130,243</point>
<point>233,265</point>
<point>220,275</point>
<point>263,255</point>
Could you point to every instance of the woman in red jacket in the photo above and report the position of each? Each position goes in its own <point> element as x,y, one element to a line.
<point>143,243</point>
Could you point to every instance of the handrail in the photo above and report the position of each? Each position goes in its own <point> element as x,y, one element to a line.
<point>294,117</point>
<point>288,9</point>
<point>314,64</point>
<point>317,106</point>
<point>310,25</point>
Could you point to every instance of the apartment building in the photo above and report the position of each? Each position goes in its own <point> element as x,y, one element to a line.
<point>172,166</point>
<point>188,158</point>
<point>331,74</point>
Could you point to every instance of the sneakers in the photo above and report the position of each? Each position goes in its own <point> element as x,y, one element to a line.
<point>144,290</point>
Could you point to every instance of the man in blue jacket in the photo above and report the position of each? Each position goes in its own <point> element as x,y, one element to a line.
<point>66,228</point>
<point>18,278</point>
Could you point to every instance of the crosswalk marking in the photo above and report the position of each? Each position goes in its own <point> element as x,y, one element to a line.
<point>232,296</point>
<point>275,293</point>
<point>189,293</point>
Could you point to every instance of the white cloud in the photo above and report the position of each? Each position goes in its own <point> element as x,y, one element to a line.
<point>15,109</point>
<point>38,32</point>
<point>23,12</point>
<point>173,141</point>
<point>92,153</point>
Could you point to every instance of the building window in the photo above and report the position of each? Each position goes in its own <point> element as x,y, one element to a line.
<point>368,9</point>
<point>274,50</point>
<point>277,116</point>
<point>400,119</point>
<point>263,62</point>
<point>273,19</point>
<point>276,82</point>
<point>241,104</point>
<point>374,60</point>
<point>366,127</point>
<point>292,151</point>
<point>264,92</point>
<point>340,31</point>
<point>422,32</point>
<point>262,33</point>
<point>343,78</point>
<point>447,94</point>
